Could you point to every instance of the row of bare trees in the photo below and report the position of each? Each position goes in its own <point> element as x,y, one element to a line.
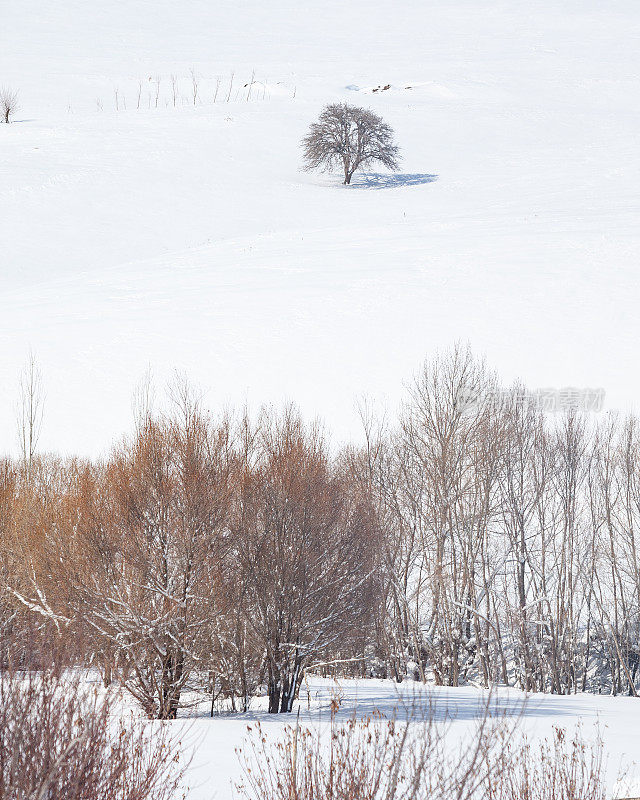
<point>199,91</point>
<point>477,538</point>
<point>510,536</point>
<point>201,554</point>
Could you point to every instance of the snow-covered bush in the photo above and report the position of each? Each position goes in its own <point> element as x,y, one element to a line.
<point>58,740</point>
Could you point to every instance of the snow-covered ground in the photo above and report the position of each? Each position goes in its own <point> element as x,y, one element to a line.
<point>187,238</point>
<point>211,743</point>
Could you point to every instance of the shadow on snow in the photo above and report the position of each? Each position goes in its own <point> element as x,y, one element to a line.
<point>414,702</point>
<point>375,180</point>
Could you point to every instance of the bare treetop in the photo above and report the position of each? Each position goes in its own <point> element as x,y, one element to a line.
<point>349,137</point>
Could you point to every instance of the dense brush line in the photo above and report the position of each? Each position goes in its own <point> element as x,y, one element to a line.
<point>480,541</point>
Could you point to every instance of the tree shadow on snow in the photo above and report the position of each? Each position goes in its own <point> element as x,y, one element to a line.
<point>375,180</point>
<point>412,702</point>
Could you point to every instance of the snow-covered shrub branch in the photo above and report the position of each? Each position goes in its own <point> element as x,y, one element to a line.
<point>58,739</point>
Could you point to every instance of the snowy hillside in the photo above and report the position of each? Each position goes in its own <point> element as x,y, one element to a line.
<point>187,238</point>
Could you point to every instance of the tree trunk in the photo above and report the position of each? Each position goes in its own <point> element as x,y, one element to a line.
<point>170,688</point>
<point>106,670</point>
<point>274,696</point>
<point>290,685</point>
<point>286,701</point>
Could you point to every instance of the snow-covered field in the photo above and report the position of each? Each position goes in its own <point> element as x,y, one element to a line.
<point>187,238</point>
<point>211,743</point>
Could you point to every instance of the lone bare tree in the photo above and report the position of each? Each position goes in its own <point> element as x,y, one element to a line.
<point>30,410</point>
<point>349,137</point>
<point>8,102</point>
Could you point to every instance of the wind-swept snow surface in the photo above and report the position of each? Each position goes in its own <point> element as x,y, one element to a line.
<point>185,237</point>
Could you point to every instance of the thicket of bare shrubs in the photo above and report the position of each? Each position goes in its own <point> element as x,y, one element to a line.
<point>202,555</point>
<point>482,541</point>
<point>60,739</point>
<point>413,758</point>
